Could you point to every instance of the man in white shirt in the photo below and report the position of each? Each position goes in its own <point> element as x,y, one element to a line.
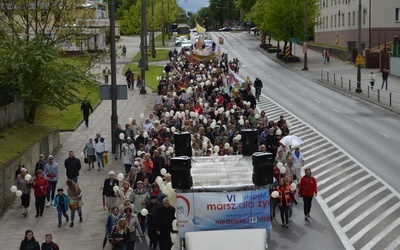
<point>101,147</point>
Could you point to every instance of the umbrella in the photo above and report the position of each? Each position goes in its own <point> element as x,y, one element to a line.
<point>292,140</point>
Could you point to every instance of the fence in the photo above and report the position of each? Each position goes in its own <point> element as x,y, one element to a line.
<point>382,97</point>
<point>11,113</point>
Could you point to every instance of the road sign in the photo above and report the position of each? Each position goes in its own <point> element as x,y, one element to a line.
<point>294,40</point>
<point>359,60</point>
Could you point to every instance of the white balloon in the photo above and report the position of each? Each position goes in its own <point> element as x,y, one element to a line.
<point>159,181</point>
<point>226,146</point>
<point>121,136</point>
<point>232,111</point>
<point>201,117</point>
<point>163,171</point>
<point>144,212</point>
<point>163,147</point>
<point>28,177</point>
<point>115,188</point>
<point>204,120</point>
<point>239,136</point>
<point>164,190</point>
<point>167,114</point>
<point>167,153</point>
<point>173,129</point>
<point>139,153</point>
<point>169,187</point>
<point>279,165</point>
<point>18,193</point>
<point>175,239</point>
<point>142,115</point>
<point>120,177</point>
<point>216,112</point>
<point>175,225</point>
<point>13,189</point>
<point>204,145</point>
<point>257,116</point>
<point>216,148</point>
<point>293,186</point>
<point>171,150</point>
<point>241,122</point>
<point>145,134</point>
<point>212,125</point>
<point>227,113</point>
<point>130,120</point>
<point>282,170</point>
<point>275,194</point>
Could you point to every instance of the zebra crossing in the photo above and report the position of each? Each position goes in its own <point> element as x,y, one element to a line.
<point>363,209</point>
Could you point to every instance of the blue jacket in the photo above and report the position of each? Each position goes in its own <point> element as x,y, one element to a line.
<point>57,202</point>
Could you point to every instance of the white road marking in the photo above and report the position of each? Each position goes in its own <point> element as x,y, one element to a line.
<point>278,80</point>
<point>382,234</point>
<point>373,223</point>
<point>336,174</point>
<point>367,212</point>
<point>302,93</point>
<point>337,111</point>
<point>290,86</point>
<point>357,120</point>
<point>338,182</point>
<point>344,189</point>
<point>317,100</point>
<point>394,245</point>
<point>384,134</point>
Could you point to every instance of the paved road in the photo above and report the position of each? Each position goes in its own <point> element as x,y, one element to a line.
<point>345,140</point>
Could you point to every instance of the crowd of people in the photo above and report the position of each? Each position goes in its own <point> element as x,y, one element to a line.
<point>204,98</point>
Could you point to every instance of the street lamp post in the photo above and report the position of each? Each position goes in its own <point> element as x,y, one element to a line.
<point>143,41</point>
<point>153,45</point>
<point>162,25</point>
<point>305,34</point>
<point>114,114</point>
<point>358,89</point>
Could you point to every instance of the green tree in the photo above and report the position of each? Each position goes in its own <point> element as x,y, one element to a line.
<point>33,72</point>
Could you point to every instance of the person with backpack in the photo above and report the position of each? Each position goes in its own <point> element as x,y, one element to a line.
<point>61,203</point>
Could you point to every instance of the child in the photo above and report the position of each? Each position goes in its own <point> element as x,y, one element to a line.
<point>61,202</point>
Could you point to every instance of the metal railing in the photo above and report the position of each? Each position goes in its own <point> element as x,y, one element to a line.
<point>375,94</point>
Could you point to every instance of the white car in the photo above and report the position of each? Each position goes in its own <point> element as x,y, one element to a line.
<point>193,30</point>
<point>185,46</point>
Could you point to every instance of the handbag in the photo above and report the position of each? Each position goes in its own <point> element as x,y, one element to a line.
<point>73,205</point>
<point>105,158</point>
<point>86,160</point>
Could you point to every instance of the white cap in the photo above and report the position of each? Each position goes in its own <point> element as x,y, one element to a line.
<point>111,173</point>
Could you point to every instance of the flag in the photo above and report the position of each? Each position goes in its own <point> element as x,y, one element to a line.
<point>234,79</point>
<point>200,30</point>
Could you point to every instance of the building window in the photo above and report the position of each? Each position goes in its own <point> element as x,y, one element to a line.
<point>335,20</point>
<point>331,21</point>
<point>349,19</point>
<point>343,19</point>
<point>397,14</point>
<point>354,18</point>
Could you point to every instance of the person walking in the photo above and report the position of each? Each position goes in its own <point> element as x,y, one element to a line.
<point>372,79</point>
<point>74,193</point>
<point>139,197</point>
<point>258,86</point>
<point>51,171</point>
<point>112,221</point>
<point>285,200</point>
<point>61,203</point>
<point>108,190</point>
<point>120,235</point>
<point>101,147</point>
<point>307,190</point>
<point>48,243</point>
<point>90,153</point>
<point>124,51</point>
<point>29,242</point>
<point>25,187</point>
<point>106,75</point>
<point>40,164</point>
<point>72,165</point>
<point>152,208</point>
<point>134,226</point>
<point>129,150</point>
<point>385,75</point>
<point>86,108</point>
<point>164,218</point>
<point>124,192</point>
<point>128,74</point>
<point>40,186</point>
<point>118,141</point>
<point>298,161</point>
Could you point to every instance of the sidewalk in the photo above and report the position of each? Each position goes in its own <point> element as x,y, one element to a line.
<point>90,233</point>
<point>347,70</point>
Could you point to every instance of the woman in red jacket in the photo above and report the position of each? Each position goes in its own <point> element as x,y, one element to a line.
<point>40,186</point>
<point>307,190</point>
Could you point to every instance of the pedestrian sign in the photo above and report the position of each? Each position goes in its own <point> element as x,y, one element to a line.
<point>359,60</point>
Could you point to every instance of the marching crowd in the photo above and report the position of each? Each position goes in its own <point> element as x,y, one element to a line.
<point>204,98</point>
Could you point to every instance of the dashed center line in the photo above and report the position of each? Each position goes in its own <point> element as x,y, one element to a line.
<point>317,100</point>
<point>337,111</point>
<point>357,120</point>
<point>380,132</point>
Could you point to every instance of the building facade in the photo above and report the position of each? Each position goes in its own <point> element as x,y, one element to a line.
<point>338,22</point>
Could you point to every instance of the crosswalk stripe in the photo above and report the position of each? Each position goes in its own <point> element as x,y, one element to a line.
<point>394,245</point>
<point>330,161</point>
<point>373,223</point>
<point>344,189</point>
<point>367,212</point>
<point>319,152</point>
<point>338,182</point>
<point>332,176</point>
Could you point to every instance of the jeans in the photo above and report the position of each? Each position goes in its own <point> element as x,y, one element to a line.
<point>118,150</point>
<point>290,210</point>
<point>39,204</point>
<point>61,212</point>
<point>100,160</point>
<point>307,204</point>
<point>284,211</point>
<point>383,83</point>
<point>142,221</point>
<point>75,179</point>
<point>273,204</point>
<point>73,213</point>
<point>51,189</point>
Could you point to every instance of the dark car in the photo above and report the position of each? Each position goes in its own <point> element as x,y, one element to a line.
<point>226,29</point>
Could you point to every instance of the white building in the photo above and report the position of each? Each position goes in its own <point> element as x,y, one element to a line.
<point>338,22</point>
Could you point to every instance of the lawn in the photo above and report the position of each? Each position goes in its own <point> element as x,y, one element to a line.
<point>158,40</point>
<point>151,75</point>
<point>18,137</point>
<point>68,118</point>
<point>161,55</point>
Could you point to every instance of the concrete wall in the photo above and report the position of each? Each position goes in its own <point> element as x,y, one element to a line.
<point>29,156</point>
<point>395,66</point>
<point>11,113</point>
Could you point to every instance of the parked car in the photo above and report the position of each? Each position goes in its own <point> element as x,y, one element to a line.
<point>225,29</point>
<point>179,40</point>
<point>254,29</point>
<point>185,46</point>
<point>237,28</point>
